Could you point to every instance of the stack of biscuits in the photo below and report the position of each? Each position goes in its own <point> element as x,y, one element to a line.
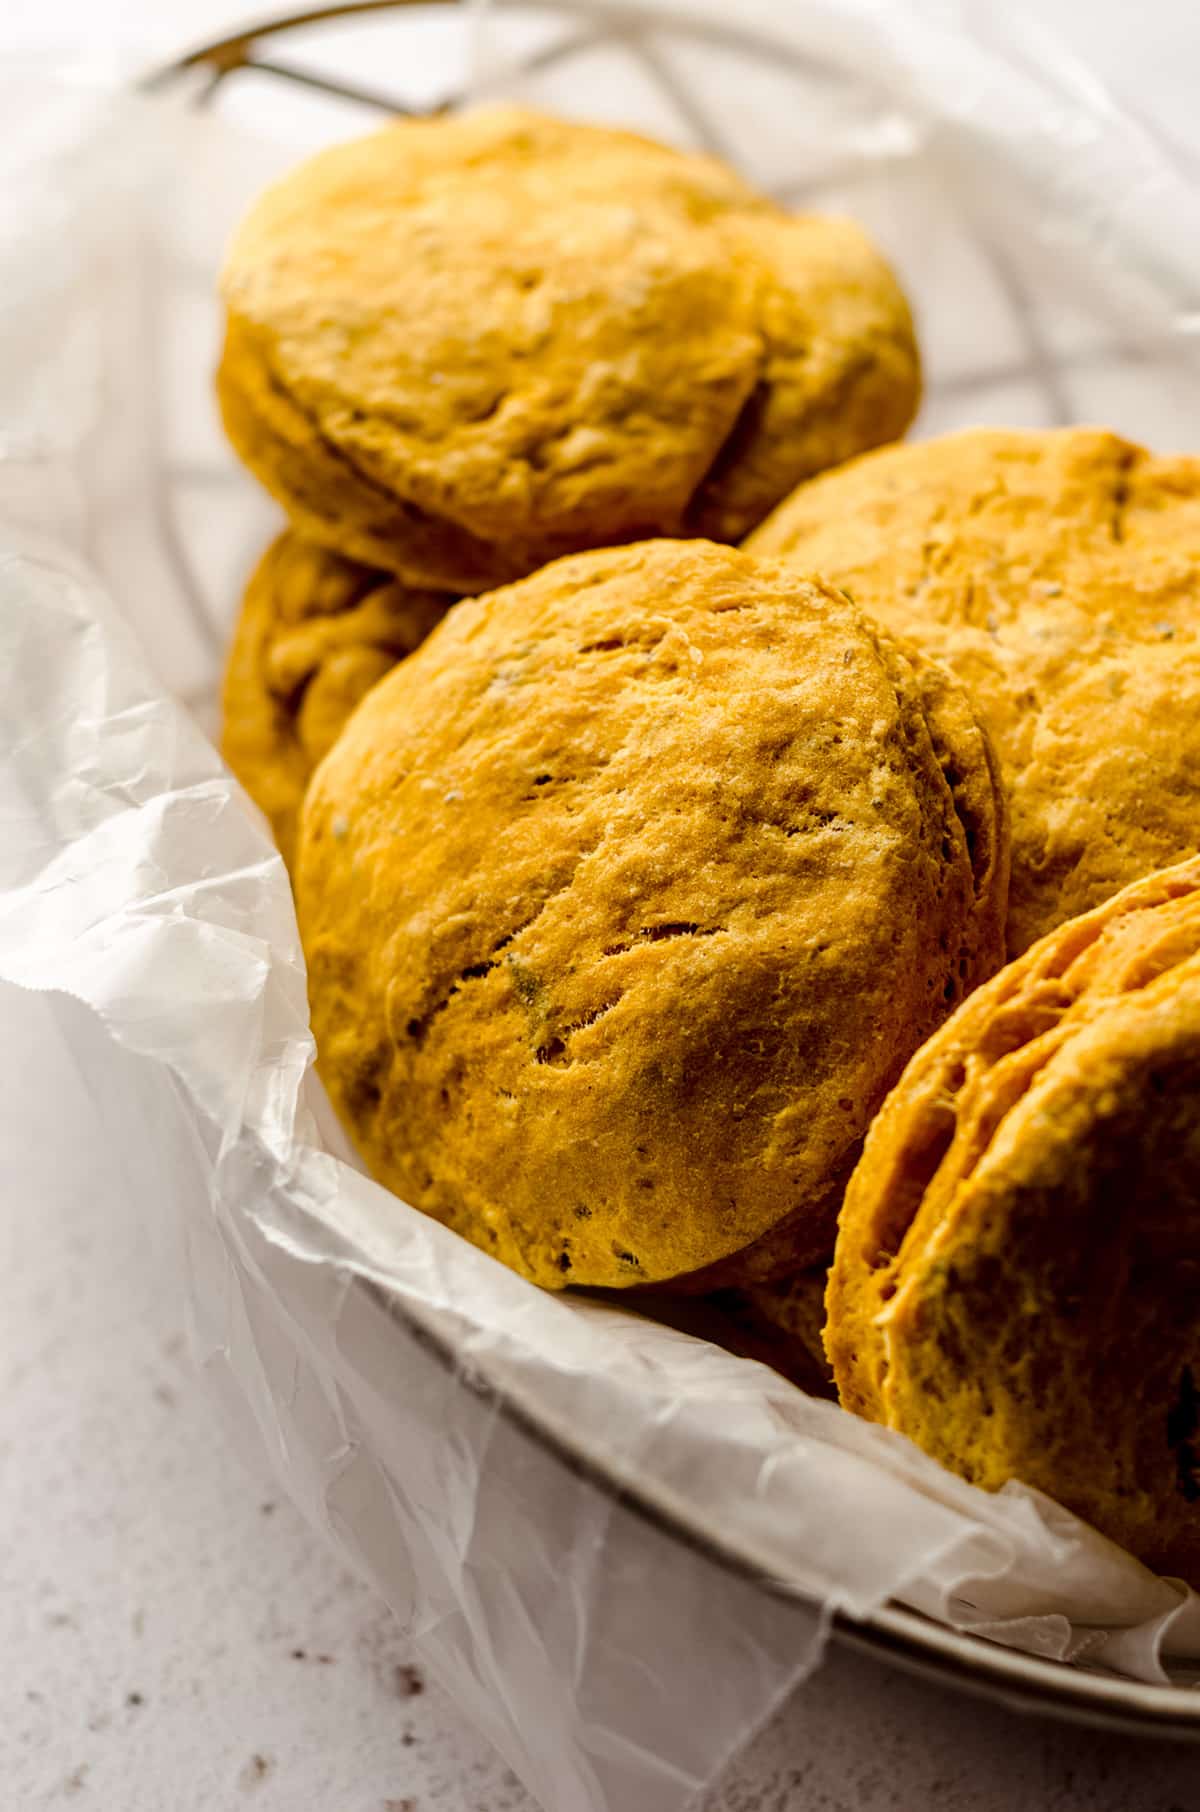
<point>742,862</point>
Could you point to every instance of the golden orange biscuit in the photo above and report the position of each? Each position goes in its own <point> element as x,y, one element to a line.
<point>1016,1283</point>
<point>463,346</point>
<point>314,635</point>
<point>1057,574</point>
<point>626,898</point>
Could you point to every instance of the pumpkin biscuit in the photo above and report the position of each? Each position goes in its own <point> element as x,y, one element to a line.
<point>1016,1283</point>
<point>462,347</point>
<point>1057,574</point>
<point>626,898</point>
<point>314,635</point>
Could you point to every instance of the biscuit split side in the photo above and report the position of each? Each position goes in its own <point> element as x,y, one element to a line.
<point>314,634</point>
<point>970,770</point>
<point>1056,573</point>
<point>463,347</point>
<point>625,899</point>
<point>1017,1273</point>
<point>838,369</point>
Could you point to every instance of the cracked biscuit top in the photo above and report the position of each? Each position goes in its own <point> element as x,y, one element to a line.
<point>626,898</point>
<point>461,347</point>
<point>314,635</point>
<point>1016,1284</point>
<point>1058,574</point>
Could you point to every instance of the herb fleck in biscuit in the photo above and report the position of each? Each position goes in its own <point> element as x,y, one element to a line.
<point>1016,1284</point>
<point>1058,575</point>
<point>314,634</point>
<point>627,897</point>
<point>461,347</point>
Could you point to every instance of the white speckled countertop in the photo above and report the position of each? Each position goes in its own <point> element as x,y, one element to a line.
<point>173,1637</point>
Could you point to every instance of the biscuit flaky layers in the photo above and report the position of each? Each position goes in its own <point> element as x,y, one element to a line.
<point>1016,1283</point>
<point>1057,573</point>
<point>462,347</point>
<point>314,635</point>
<point>625,899</point>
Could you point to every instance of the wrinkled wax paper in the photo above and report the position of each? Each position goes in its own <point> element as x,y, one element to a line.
<point>617,1546</point>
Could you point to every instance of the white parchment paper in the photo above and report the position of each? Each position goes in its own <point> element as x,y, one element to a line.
<point>617,1546</point>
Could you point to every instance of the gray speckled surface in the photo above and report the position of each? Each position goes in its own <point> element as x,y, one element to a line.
<point>174,1636</point>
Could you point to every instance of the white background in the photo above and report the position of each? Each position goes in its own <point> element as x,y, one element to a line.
<point>172,1639</point>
